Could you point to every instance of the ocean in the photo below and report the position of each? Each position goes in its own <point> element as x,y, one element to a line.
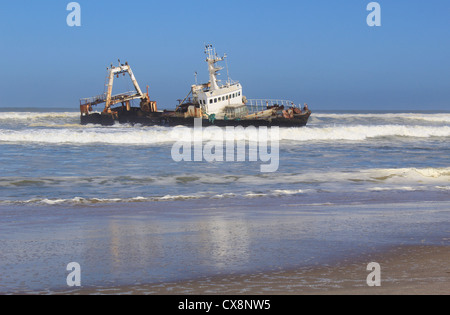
<point>115,200</point>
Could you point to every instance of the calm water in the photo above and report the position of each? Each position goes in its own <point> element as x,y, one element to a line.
<point>114,200</point>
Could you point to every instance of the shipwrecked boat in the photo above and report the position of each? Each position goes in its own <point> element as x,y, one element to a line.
<point>213,102</point>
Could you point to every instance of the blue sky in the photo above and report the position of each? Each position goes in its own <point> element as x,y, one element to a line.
<point>317,51</point>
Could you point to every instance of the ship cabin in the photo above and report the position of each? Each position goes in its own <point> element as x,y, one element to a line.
<point>216,101</point>
<point>214,98</point>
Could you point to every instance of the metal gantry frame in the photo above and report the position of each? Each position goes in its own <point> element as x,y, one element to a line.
<point>109,99</point>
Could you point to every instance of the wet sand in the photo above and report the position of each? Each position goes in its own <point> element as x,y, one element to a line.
<point>262,247</point>
<point>405,270</point>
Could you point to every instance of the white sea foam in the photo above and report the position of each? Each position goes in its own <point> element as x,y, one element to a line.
<point>442,117</point>
<point>157,135</point>
<point>402,188</point>
<point>81,200</point>
<point>401,176</point>
<point>288,192</point>
<point>362,132</point>
<point>396,176</point>
<point>75,200</point>
<point>404,179</point>
<point>114,136</point>
<point>64,128</point>
<point>30,116</point>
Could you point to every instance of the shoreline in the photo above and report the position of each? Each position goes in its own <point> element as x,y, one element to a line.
<point>405,270</point>
<point>227,248</point>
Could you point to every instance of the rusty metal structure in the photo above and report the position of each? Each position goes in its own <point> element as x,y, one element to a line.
<point>124,99</point>
<point>215,102</point>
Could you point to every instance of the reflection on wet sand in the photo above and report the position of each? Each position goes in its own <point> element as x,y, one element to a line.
<point>224,242</point>
<point>161,243</point>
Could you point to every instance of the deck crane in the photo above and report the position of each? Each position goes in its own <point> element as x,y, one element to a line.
<point>124,98</point>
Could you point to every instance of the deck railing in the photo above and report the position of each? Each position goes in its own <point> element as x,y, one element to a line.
<point>102,98</point>
<point>258,105</point>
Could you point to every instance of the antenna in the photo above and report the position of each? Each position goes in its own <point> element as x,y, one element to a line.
<point>226,65</point>
<point>196,83</point>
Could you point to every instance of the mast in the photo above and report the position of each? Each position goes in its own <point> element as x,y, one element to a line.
<point>212,58</point>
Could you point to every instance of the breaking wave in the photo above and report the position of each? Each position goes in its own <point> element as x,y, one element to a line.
<point>394,175</point>
<point>113,136</point>
<point>64,128</point>
<point>363,132</point>
<point>87,201</point>
<point>406,117</point>
<point>29,116</point>
<point>256,186</point>
<point>156,135</point>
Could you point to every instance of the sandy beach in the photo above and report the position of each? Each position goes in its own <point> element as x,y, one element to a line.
<point>227,248</point>
<point>410,270</point>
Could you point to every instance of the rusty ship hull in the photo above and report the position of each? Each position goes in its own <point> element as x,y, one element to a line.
<point>135,116</point>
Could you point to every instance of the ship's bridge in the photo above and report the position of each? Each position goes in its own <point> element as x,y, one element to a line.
<point>214,102</point>
<point>214,97</point>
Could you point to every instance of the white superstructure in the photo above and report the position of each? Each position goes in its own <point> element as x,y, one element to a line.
<point>215,97</point>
